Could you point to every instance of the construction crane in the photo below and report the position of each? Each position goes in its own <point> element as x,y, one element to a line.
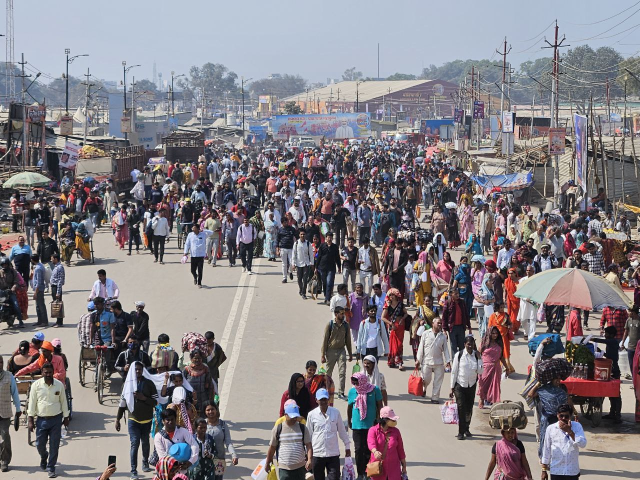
<point>10,73</point>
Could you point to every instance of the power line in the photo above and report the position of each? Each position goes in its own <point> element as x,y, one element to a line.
<point>609,29</point>
<point>609,18</point>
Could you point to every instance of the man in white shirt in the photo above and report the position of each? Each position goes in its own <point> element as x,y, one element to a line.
<point>196,246</point>
<point>325,425</point>
<point>302,262</point>
<point>505,254</point>
<point>163,442</point>
<point>297,211</point>
<point>562,442</point>
<point>340,298</point>
<point>368,265</point>
<point>467,365</point>
<point>433,353</point>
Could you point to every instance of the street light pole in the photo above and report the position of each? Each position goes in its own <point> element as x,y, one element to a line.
<point>125,69</point>
<point>242,83</point>
<point>173,110</point>
<point>67,51</point>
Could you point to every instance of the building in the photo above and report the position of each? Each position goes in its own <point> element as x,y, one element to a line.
<point>385,100</point>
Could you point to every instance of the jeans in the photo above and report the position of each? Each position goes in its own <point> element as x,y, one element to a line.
<point>197,263</point>
<point>16,308</point>
<point>361,450</point>
<point>158,247</point>
<point>366,279</point>
<point>341,235</point>
<point>329,464</point>
<point>213,244</point>
<point>328,277</point>
<point>15,222</point>
<point>30,232</point>
<point>246,255</point>
<point>54,296</point>
<point>138,433</point>
<point>456,338</point>
<point>5,442</point>
<point>348,274</point>
<point>134,237</point>
<point>49,430</point>
<point>464,400</point>
<point>303,278</point>
<point>41,307</point>
<point>286,254</point>
<point>232,251</point>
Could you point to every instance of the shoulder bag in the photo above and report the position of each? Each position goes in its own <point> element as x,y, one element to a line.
<point>375,468</point>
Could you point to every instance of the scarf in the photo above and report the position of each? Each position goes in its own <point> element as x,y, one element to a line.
<point>396,293</point>
<point>178,399</point>
<point>376,377</point>
<point>508,457</point>
<point>486,292</point>
<point>164,467</point>
<point>569,245</point>
<point>131,385</point>
<point>362,388</point>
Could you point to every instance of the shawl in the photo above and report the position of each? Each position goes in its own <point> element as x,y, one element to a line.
<point>164,467</point>
<point>376,377</point>
<point>486,340</point>
<point>178,399</point>
<point>485,291</point>
<point>509,459</point>
<point>362,388</point>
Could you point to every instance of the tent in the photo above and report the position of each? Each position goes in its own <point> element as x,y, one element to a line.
<point>504,183</point>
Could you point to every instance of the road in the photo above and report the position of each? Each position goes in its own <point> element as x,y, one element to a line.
<point>268,333</point>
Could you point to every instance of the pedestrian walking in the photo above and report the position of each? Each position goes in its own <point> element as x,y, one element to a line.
<point>292,442</point>
<point>337,338</point>
<point>8,394</point>
<point>303,259</point>
<point>160,226</point>
<point>38,291</point>
<point>196,246</point>
<point>433,357</point>
<point>48,403</point>
<point>467,365</point>
<point>56,282</point>
<point>562,443</point>
<point>286,239</point>
<point>247,234</point>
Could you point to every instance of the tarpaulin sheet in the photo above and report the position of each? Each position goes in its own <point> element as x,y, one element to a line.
<point>513,181</point>
<point>592,388</point>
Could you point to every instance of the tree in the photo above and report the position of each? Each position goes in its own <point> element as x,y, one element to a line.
<point>350,74</point>
<point>631,79</point>
<point>292,108</point>
<point>402,76</point>
<point>280,86</point>
<point>215,78</point>
<point>145,85</point>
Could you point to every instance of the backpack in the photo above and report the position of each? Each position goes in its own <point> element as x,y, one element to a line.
<point>507,414</point>
<point>279,431</point>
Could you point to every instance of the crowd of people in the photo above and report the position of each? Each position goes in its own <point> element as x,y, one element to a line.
<point>385,218</point>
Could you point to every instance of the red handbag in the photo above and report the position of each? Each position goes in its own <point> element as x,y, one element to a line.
<point>416,384</point>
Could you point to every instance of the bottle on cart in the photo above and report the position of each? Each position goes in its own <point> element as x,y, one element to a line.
<point>583,371</point>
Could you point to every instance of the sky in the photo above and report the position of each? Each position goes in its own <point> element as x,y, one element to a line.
<point>318,40</point>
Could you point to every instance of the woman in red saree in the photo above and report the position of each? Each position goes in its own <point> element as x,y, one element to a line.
<point>393,315</point>
<point>502,321</point>
<point>508,459</point>
<point>513,303</point>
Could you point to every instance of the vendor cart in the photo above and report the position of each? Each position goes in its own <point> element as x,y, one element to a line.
<point>589,394</point>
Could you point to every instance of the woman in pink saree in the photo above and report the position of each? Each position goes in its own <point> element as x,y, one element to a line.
<point>492,351</point>
<point>508,459</point>
<point>467,226</point>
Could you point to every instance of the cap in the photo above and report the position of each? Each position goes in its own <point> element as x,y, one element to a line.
<point>56,342</point>
<point>140,304</point>
<point>387,412</point>
<point>47,346</point>
<point>39,336</point>
<point>292,411</point>
<point>180,451</point>
<point>322,393</point>
<point>91,306</point>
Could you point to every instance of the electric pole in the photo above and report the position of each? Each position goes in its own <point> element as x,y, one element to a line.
<point>86,106</point>
<point>24,152</point>
<point>554,108</point>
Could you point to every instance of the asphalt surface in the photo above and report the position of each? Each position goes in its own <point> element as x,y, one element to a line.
<point>268,332</point>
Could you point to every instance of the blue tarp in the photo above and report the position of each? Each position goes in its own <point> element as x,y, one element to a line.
<point>513,181</point>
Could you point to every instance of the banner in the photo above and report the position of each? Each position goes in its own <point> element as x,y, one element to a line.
<point>36,113</point>
<point>556,141</point>
<point>580,127</point>
<point>69,157</point>
<point>507,122</point>
<point>458,115</point>
<point>478,109</point>
<point>66,125</point>
<point>337,126</point>
<point>125,124</point>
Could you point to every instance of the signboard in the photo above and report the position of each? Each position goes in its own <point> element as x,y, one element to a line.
<point>36,113</point>
<point>263,99</point>
<point>507,122</point>
<point>458,115</point>
<point>556,141</point>
<point>66,125</point>
<point>337,126</point>
<point>478,109</point>
<point>69,157</point>
<point>435,128</point>
<point>580,127</point>
<point>125,124</point>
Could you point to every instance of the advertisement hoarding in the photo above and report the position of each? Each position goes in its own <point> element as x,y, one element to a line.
<point>458,115</point>
<point>69,157</point>
<point>580,127</point>
<point>556,141</point>
<point>337,126</point>
<point>478,109</point>
<point>507,122</point>
<point>66,125</point>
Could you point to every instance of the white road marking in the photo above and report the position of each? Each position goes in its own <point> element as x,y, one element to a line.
<point>232,313</point>
<point>235,355</point>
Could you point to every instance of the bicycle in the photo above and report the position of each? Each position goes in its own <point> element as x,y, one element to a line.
<point>101,368</point>
<point>183,232</point>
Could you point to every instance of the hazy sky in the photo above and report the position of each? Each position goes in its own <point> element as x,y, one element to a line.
<point>318,40</point>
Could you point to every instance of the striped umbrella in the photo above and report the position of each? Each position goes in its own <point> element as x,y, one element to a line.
<point>573,287</point>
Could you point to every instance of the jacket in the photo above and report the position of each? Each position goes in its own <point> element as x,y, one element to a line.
<point>447,315</point>
<point>388,262</point>
<point>382,343</point>
<point>286,237</point>
<point>374,259</point>
<point>302,254</point>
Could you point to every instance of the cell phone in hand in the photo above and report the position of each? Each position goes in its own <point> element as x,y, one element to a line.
<point>111,460</point>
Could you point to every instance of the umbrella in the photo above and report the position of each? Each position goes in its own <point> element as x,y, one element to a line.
<point>27,180</point>
<point>450,205</point>
<point>547,370</point>
<point>573,287</point>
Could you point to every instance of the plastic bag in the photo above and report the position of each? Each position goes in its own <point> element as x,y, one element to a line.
<point>348,471</point>
<point>416,384</point>
<point>449,413</point>
<point>183,260</point>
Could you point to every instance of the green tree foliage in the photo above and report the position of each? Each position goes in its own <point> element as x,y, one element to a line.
<point>292,108</point>
<point>402,76</point>
<point>281,86</point>
<point>350,74</point>
<point>145,85</point>
<point>214,77</point>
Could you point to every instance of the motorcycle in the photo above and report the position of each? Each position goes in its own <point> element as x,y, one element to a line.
<point>6,308</point>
